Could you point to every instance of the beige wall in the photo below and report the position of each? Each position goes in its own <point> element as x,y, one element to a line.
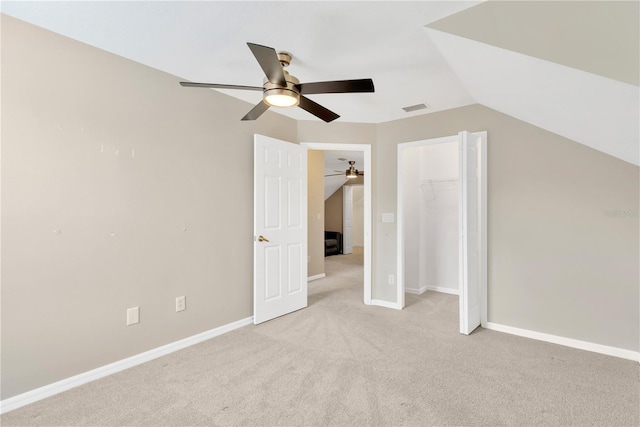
<point>151,188</point>
<point>412,197</point>
<point>558,263</point>
<point>315,205</point>
<point>333,212</point>
<point>337,133</point>
<point>333,207</point>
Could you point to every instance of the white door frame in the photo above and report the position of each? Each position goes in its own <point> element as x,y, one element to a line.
<point>347,219</point>
<point>349,188</point>
<point>482,152</point>
<point>366,149</point>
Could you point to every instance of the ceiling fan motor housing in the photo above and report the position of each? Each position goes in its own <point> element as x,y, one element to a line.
<point>284,58</point>
<point>352,172</point>
<point>275,91</point>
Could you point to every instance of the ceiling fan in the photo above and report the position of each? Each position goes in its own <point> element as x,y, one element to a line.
<point>281,89</point>
<point>350,173</point>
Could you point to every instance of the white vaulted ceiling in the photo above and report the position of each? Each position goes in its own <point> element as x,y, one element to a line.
<point>568,67</point>
<point>206,41</point>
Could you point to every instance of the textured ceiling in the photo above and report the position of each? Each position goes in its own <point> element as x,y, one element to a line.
<point>570,67</point>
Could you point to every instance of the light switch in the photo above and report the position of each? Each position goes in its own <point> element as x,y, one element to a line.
<point>133,315</point>
<point>388,217</point>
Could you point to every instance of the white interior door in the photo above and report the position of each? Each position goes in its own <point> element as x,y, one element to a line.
<point>280,228</point>
<point>347,219</point>
<point>469,212</point>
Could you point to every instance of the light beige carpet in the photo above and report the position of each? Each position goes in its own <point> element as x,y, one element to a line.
<point>339,362</point>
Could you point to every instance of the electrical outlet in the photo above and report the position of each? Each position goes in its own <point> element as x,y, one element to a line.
<point>392,279</point>
<point>181,304</point>
<point>133,315</point>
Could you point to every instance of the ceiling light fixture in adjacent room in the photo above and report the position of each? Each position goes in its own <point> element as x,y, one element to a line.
<point>352,172</point>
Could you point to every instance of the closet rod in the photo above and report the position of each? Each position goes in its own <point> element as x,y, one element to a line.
<point>443,180</point>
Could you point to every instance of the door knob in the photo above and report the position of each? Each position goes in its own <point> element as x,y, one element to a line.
<point>261,238</point>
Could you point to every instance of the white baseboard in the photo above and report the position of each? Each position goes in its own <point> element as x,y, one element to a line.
<point>443,290</point>
<point>316,277</point>
<point>40,393</point>
<point>432,288</point>
<point>386,304</point>
<point>569,342</point>
<point>415,291</point>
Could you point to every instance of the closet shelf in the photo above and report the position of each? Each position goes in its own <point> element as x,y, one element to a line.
<point>428,189</point>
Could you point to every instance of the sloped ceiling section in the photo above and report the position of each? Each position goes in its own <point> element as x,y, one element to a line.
<point>331,185</point>
<point>338,162</point>
<point>600,37</point>
<point>579,98</point>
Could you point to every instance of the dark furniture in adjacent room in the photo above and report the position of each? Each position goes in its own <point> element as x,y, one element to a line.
<point>332,243</point>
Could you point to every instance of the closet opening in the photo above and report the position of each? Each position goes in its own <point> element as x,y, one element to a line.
<point>442,222</point>
<point>431,238</point>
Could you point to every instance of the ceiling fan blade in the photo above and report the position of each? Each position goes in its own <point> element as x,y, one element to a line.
<point>219,86</point>
<point>336,174</point>
<point>338,86</point>
<point>268,59</point>
<point>256,111</point>
<point>317,110</point>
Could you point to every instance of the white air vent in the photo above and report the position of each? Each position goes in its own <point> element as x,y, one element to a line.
<point>415,107</point>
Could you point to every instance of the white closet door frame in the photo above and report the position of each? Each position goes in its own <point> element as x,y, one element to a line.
<point>482,180</point>
<point>469,232</point>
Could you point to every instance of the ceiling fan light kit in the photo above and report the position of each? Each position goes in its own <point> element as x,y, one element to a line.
<point>276,96</point>
<point>282,90</point>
